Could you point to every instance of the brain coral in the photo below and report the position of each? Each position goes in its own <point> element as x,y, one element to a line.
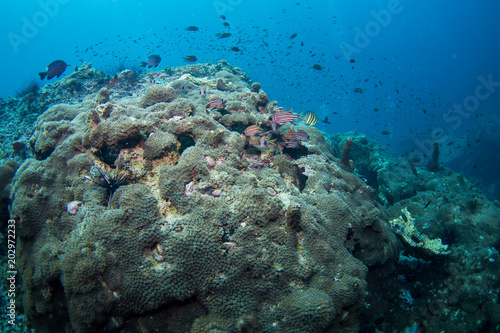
<point>305,311</point>
<point>158,143</point>
<point>221,237</point>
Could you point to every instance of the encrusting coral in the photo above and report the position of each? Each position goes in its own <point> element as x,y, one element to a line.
<point>404,226</point>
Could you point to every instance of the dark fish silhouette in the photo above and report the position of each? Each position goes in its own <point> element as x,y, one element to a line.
<point>317,67</point>
<point>190,58</point>
<point>293,36</point>
<point>192,28</point>
<point>224,35</point>
<point>56,68</point>
<point>153,61</point>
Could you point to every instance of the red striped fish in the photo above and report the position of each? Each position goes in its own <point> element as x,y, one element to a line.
<point>298,135</point>
<point>252,130</point>
<point>283,117</point>
<point>288,144</point>
<point>215,103</point>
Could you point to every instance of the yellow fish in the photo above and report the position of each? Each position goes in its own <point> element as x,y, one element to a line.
<point>310,118</point>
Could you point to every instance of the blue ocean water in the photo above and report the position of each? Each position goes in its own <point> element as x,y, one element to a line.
<point>406,73</point>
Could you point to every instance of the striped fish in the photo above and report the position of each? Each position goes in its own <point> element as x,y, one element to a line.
<point>252,130</point>
<point>215,103</point>
<point>283,117</point>
<point>310,118</point>
<point>288,144</point>
<point>298,135</point>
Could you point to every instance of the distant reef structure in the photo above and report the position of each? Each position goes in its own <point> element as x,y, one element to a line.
<point>184,200</point>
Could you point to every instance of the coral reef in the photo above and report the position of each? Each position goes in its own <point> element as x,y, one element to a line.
<point>391,178</point>
<point>202,226</point>
<point>185,200</point>
<point>345,162</point>
<point>447,277</point>
<point>21,113</point>
<point>157,94</point>
<point>7,171</point>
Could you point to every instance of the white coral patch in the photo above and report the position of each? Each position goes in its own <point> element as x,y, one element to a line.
<point>73,207</point>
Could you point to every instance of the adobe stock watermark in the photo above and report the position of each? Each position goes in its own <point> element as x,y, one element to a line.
<point>363,37</point>
<point>455,117</point>
<point>224,6</point>
<point>31,26</point>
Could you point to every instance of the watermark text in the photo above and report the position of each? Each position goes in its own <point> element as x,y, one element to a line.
<point>12,271</point>
<point>30,26</point>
